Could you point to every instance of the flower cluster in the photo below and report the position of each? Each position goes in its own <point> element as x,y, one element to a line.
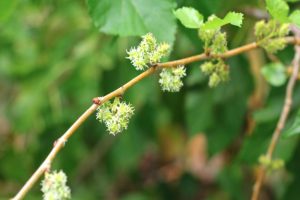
<point>270,35</point>
<point>214,43</point>
<point>148,52</point>
<point>217,71</point>
<point>115,115</point>
<point>54,186</point>
<point>170,78</point>
<point>214,40</point>
<point>270,164</point>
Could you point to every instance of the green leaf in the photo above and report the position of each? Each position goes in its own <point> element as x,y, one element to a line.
<point>233,18</point>
<point>278,9</point>
<point>6,9</point>
<point>295,17</point>
<point>214,23</point>
<point>292,0</point>
<point>295,128</point>
<point>134,17</point>
<point>189,17</point>
<point>274,73</point>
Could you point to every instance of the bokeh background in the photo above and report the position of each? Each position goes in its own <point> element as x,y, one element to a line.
<point>200,143</point>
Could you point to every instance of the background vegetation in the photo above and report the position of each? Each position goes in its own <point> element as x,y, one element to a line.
<point>200,143</point>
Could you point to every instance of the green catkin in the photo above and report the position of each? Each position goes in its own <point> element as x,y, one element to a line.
<point>217,71</point>
<point>270,35</point>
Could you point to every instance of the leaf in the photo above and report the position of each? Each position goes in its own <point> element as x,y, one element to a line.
<point>233,18</point>
<point>274,73</point>
<point>295,128</point>
<point>278,9</point>
<point>6,9</point>
<point>292,0</point>
<point>214,23</point>
<point>134,17</point>
<point>295,17</point>
<point>189,17</point>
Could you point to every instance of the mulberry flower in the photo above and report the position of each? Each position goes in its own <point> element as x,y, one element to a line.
<point>170,78</point>
<point>148,52</point>
<point>54,186</point>
<point>115,115</point>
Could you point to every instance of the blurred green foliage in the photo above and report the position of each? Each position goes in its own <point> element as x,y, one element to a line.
<point>200,143</point>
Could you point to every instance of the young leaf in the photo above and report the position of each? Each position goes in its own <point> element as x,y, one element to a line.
<point>295,17</point>
<point>274,73</point>
<point>213,23</point>
<point>278,9</point>
<point>295,128</point>
<point>134,17</point>
<point>189,17</point>
<point>233,18</point>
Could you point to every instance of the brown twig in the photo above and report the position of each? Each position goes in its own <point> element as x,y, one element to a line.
<point>280,124</point>
<point>119,92</point>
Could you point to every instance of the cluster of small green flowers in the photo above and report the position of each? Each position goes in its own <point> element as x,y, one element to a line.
<point>170,78</point>
<point>54,186</point>
<point>214,43</point>
<point>270,164</point>
<point>115,115</point>
<point>270,35</point>
<point>148,52</point>
<point>217,71</point>
<point>214,40</point>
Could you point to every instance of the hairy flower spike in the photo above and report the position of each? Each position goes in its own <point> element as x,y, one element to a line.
<point>137,58</point>
<point>54,186</point>
<point>270,35</point>
<point>214,40</point>
<point>214,80</point>
<point>208,68</point>
<point>219,45</point>
<point>148,44</point>
<point>207,35</point>
<point>148,52</point>
<point>217,71</point>
<point>161,50</point>
<point>170,78</point>
<point>115,115</point>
